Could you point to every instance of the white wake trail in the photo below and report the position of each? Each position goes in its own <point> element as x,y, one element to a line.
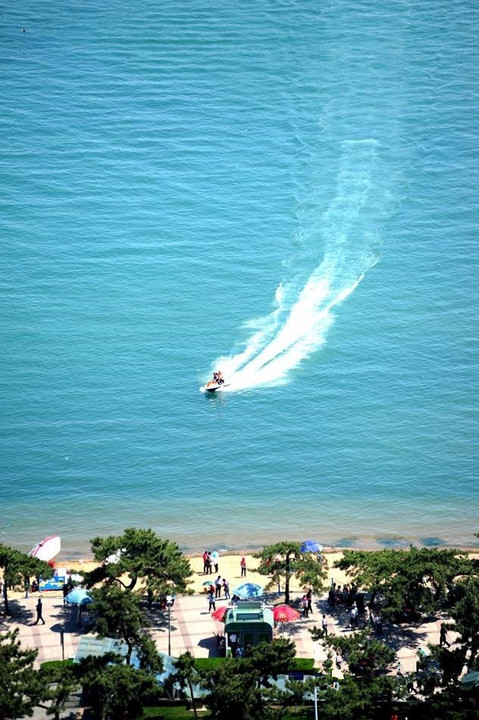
<point>303,314</point>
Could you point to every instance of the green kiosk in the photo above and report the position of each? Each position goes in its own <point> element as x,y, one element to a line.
<point>249,622</point>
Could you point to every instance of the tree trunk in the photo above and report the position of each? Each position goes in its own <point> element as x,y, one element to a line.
<point>5,596</point>
<point>287,576</point>
<point>192,698</point>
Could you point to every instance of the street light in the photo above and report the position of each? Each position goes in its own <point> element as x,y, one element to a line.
<point>169,603</point>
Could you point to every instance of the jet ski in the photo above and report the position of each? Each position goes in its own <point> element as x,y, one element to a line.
<point>216,383</point>
<point>213,386</point>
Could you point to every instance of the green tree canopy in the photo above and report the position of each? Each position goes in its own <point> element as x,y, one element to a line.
<point>116,690</point>
<point>366,656</point>
<point>269,659</point>
<point>465,613</point>
<point>20,688</point>
<point>412,582</point>
<point>141,555</point>
<point>186,676</point>
<point>232,694</point>
<point>238,688</point>
<point>117,613</point>
<point>366,683</point>
<point>17,568</point>
<point>284,559</point>
<point>59,680</point>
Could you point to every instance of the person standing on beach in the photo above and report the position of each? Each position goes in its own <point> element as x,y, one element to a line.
<point>205,562</point>
<point>243,567</point>
<point>39,610</point>
<point>218,587</point>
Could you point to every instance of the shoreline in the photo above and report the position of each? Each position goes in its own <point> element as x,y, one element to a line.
<point>80,558</point>
<point>229,567</point>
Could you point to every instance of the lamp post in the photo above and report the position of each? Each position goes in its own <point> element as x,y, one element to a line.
<point>169,603</point>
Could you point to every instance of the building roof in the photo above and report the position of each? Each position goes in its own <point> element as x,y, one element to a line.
<point>252,612</point>
<point>97,646</point>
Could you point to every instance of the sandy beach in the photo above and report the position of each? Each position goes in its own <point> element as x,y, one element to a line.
<point>228,567</point>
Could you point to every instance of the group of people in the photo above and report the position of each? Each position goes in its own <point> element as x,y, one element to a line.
<point>307,603</point>
<point>210,561</point>
<point>218,377</point>
<point>220,584</point>
<point>360,615</point>
<point>345,595</point>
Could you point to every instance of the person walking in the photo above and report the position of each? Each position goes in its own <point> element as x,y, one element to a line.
<point>304,603</point>
<point>324,626</point>
<point>39,610</point>
<point>243,567</point>
<point>443,636</point>
<point>353,617</point>
<point>309,596</point>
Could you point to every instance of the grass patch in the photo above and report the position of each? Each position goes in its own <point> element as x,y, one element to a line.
<point>208,663</point>
<point>179,712</point>
<point>182,713</point>
<point>304,665</point>
<point>57,664</point>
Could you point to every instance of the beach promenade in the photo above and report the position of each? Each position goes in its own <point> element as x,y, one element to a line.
<point>189,626</point>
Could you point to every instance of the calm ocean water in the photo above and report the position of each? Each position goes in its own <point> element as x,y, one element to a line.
<point>286,190</point>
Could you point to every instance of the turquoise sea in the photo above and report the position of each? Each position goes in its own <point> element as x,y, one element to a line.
<point>283,189</point>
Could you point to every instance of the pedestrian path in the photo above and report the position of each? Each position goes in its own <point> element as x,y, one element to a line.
<point>192,628</point>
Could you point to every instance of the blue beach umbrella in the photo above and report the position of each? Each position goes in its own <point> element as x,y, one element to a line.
<point>311,546</point>
<point>78,596</point>
<point>248,590</point>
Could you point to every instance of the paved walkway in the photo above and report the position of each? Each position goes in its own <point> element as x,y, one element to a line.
<point>192,628</point>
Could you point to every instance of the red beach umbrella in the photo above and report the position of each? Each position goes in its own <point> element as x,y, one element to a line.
<point>220,613</point>
<point>285,613</point>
